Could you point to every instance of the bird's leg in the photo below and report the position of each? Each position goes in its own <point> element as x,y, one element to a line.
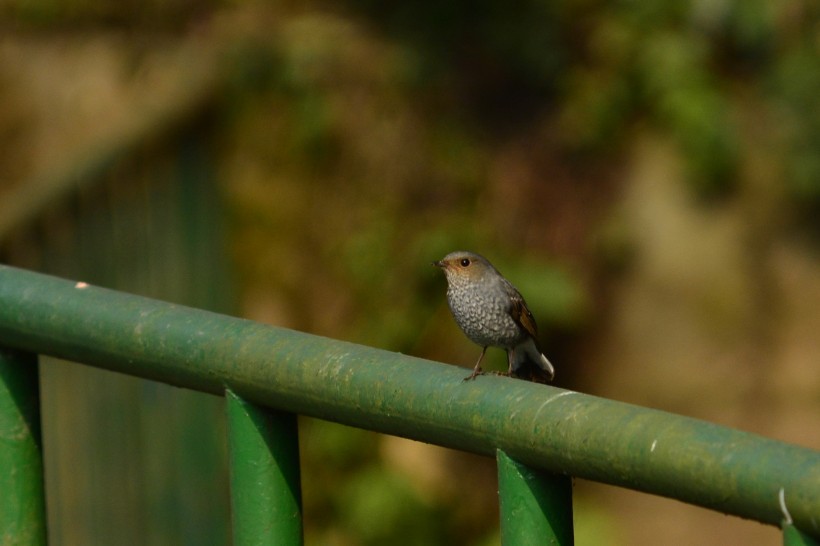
<point>477,370</point>
<point>510,360</point>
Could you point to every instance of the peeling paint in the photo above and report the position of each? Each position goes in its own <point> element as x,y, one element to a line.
<point>550,399</point>
<point>781,497</point>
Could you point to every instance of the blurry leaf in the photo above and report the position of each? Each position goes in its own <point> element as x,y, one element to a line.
<point>382,508</point>
<point>687,101</point>
<point>335,447</point>
<point>553,296</point>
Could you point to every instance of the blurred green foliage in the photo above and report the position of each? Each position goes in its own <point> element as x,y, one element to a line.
<point>596,67</point>
<point>593,71</point>
<point>384,506</point>
<point>352,498</point>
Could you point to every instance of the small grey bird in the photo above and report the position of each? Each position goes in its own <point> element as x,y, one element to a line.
<point>492,313</point>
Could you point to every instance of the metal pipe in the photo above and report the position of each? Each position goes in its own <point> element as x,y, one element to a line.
<point>541,426</point>
<point>22,501</point>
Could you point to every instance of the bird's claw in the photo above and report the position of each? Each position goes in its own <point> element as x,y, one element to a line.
<point>476,373</point>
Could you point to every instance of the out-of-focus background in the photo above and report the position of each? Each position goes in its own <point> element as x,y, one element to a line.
<point>647,174</point>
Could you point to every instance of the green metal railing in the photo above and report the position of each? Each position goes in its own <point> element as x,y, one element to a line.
<point>137,209</point>
<point>539,434</point>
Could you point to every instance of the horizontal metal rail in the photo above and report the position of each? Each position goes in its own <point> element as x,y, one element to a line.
<point>540,426</point>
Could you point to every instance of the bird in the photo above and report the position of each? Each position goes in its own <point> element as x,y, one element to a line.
<point>492,313</point>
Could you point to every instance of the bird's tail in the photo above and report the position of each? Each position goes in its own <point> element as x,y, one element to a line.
<point>528,362</point>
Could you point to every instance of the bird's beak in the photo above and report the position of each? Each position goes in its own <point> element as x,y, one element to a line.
<point>438,264</point>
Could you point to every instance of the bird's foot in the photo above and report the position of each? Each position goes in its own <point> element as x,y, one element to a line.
<point>476,373</point>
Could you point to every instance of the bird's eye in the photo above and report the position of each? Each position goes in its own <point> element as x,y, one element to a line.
<point>465,262</point>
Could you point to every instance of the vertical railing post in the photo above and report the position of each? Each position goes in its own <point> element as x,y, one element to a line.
<point>266,499</point>
<point>22,496</point>
<point>536,507</point>
<point>792,536</point>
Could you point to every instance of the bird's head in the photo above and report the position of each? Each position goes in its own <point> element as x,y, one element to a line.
<point>461,266</point>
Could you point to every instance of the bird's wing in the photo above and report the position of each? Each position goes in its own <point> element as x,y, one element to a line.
<point>521,314</point>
